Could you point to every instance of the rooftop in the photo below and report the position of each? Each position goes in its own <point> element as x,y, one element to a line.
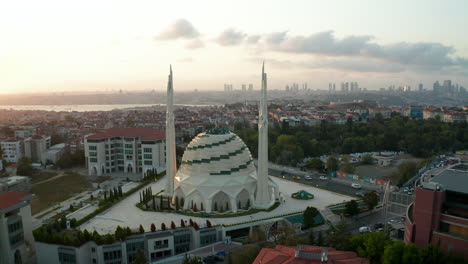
<point>452,180</point>
<point>306,255</point>
<point>10,199</point>
<point>144,133</point>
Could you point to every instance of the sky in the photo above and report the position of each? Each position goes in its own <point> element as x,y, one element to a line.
<point>52,46</point>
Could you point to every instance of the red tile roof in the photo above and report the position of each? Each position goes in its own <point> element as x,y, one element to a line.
<point>144,133</point>
<point>286,255</point>
<point>9,199</point>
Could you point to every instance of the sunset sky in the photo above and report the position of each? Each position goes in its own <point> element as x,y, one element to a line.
<point>109,45</point>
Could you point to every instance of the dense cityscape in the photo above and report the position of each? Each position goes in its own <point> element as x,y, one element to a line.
<point>237,132</point>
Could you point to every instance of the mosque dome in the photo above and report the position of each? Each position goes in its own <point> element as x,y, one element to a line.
<point>217,173</point>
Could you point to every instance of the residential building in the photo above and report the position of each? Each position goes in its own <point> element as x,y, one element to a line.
<point>23,133</point>
<point>15,184</point>
<point>155,245</point>
<point>439,215</point>
<point>13,149</point>
<point>54,153</point>
<point>125,150</point>
<point>35,146</point>
<point>16,239</point>
<point>307,254</point>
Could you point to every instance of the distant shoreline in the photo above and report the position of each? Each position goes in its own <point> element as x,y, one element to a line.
<point>88,107</point>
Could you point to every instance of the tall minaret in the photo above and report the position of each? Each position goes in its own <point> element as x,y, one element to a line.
<point>263,197</point>
<point>170,139</point>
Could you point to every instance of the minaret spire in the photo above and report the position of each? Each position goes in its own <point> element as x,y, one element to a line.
<point>263,197</point>
<point>170,137</point>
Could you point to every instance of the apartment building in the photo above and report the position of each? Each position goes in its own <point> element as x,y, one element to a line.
<point>13,149</point>
<point>125,150</point>
<point>35,146</point>
<point>16,239</point>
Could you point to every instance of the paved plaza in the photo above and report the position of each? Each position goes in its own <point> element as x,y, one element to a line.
<point>126,213</point>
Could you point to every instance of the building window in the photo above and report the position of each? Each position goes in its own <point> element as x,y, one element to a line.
<point>93,154</point>
<point>161,244</point>
<point>128,151</point>
<point>67,258</point>
<point>128,146</point>
<point>129,157</point>
<point>92,147</point>
<point>148,150</point>
<point>148,162</point>
<point>92,160</point>
<point>147,156</point>
<point>207,239</point>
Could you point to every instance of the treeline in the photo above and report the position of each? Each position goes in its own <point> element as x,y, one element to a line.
<point>421,138</point>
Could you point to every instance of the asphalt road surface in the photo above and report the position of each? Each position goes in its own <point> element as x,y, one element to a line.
<point>329,184</point>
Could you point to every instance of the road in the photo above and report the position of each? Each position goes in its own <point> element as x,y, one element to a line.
<point>331,184</point>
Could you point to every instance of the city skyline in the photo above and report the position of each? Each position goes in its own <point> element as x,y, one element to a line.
<point>54,47</point>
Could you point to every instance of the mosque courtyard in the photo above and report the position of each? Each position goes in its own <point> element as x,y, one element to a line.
<point>125,213</point>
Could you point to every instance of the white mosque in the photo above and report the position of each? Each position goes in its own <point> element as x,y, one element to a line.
<point>217,171</point>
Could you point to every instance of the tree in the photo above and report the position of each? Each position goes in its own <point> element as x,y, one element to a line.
<point>25,167</point>
<point>352,208</point>
<point>140,257</point>
<point>370,245</point>
<point>346,165</point>
<point>208,223</point>
<point>192,260</point>
<point>141,229</point>
<point>367,159</point>
<point>371,199</point>
<point>315,164</point>
<point>338,236</point>
<point>163,226</point>
<point>182,223</point>
<point>153,227</point>
<point>245,254</point>
<point>393,253</point>
<point>173,226</point>
<point>309,215</point>
<point>410,255</point>
<point>332,163</point>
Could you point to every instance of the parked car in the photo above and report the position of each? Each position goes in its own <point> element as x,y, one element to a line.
<point>356,185</point>
<point>323,177</point>
<point>364,229</point>
<point>308,177</point>
<point>360,194</point>
<point>378,226</point>
<point>296,178</point>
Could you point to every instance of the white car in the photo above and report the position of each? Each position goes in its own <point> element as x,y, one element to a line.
<point>308,177</point>
<point>356,186</point>
<point>323,177</point>
<point>364,229</point>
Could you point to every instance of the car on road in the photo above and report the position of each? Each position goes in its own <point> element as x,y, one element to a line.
<point>364,229</point>
<point>379,227</point>
<point>356,185</point>
<point>392,221</point>
<point>360,194</point>
<point>323,177</point>
<point>308,177</point>
<point>297,178</point>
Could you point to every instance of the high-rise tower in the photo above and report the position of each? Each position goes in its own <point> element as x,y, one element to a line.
<point>170,138</point>
<point>263,197</point>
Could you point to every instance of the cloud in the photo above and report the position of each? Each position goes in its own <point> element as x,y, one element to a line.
<point>253,39</point>
<point>422,54</point>
<point>230,37</point>
<point>346,64</point>
<point>195,44</point>
<point>180,28</point>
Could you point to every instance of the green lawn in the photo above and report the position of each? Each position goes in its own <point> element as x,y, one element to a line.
<point>60,189</point>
